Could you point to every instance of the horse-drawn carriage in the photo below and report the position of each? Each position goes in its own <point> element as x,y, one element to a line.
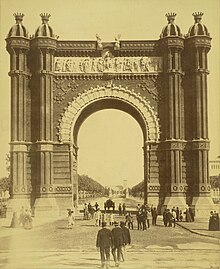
<point>109,204</point>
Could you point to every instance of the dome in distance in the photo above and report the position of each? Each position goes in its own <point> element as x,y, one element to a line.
<point>198,28</point>
<point>18,29</point>
<point>44,29</point>
<point>171,29</point>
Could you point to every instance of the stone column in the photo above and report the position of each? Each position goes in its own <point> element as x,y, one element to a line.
<point>74,175</point>
<point>197,49</point>
<point>43,49</point>
<point>146,149</point>
<point>18,48</point>
<point>174,188</point>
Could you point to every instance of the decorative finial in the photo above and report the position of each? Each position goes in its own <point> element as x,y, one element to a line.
<point>197,16</point>
<point>45,17</point>
<point>171,17</point>
<point>99,40</point>
<point>117,40</point>
<point>18,17</point>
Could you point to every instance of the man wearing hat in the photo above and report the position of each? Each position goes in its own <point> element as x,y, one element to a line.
<point>104,243</point>
<point>127,238</point>
<point>118,242</point>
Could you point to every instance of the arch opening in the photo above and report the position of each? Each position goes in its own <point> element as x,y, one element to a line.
<point>110,148</point>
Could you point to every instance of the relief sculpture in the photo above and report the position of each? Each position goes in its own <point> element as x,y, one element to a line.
<point>108,64</point>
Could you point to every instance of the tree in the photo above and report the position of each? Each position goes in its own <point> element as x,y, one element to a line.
<point>5,183</point>
<point>85,183</point>
<point>137,189</point>
<point>215,181</point>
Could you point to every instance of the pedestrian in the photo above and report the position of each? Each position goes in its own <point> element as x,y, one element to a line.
<point>165,217</point>
<point>104,244</point>
<point>181,216</point>
<point>112,219</point>
<point>129,221</point>
<point>96,206</point>
<point>177,214</point>
<point>70,219</point>
<point>169,218</point>
<point>27,220</point>
<point>86,212</point>
<point>120,210</point>
<point>123,208</point>
<point>144,219</point>
<point>98,217</point>
<point>15,221</point>
<point>104,217</point>
<point>187,216</point>
<point>127,239</point>
<point>148,217</point>
<point>118,241</point>
<point>139,220</point>
<point>154,216</point>
<point>214,221</point>
<point>191,214</point>
<point>173,217</point>
<point>22,216</point>
<point>138,207</point>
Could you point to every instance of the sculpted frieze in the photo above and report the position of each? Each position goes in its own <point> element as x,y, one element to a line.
<point>107,64</point>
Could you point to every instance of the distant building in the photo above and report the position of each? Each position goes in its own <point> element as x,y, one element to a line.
<point>214,167</point>
<point>116,191</point>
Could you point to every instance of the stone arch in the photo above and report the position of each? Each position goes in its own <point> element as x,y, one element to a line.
<point>137,106</point>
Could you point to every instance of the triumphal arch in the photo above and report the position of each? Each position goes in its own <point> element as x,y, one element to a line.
<point>56,84</point>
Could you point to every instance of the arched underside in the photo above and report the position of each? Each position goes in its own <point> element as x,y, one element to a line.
<point>107,97</point>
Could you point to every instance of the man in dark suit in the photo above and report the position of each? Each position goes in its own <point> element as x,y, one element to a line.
<point>118,242</point>
<point>104,243</point>
<point>127,239</point>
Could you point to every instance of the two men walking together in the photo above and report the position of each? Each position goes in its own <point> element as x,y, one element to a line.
<point>114,240</point>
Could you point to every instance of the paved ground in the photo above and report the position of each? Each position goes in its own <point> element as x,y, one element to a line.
<point>52,245</point>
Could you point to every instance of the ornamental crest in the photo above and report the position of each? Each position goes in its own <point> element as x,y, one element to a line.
<point>62,87</point>
<point>151,85</point>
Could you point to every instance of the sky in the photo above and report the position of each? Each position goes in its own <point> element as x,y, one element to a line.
<point>105,154</point>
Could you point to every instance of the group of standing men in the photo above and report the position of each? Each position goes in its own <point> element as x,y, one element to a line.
<point>114,240</point>
<point>145,215</point>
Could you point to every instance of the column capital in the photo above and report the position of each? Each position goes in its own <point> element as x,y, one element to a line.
<point>44,145</point>
<point>174,144</point>
<point>200,144</point>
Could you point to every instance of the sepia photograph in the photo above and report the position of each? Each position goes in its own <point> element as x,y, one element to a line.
<point>110,134</point>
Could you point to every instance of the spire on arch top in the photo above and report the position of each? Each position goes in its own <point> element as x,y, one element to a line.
<point>18,29</point>
<point>171,29</point>
<point>198,28</point>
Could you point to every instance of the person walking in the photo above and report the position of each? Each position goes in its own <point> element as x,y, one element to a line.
<point>112,219</point>
<point>104,244</point>
<point>144,220</point>
<point>120,210</point>
<point>165,220</point>
<point>129,220</point>
<point>148,217</point>
<point>123,208</point>
<point>139,220</point>
<point>173,217</point>
<point>27,220</point>
<point>70,219</point>
<point>127,239</point>
<point>118,241</point>
<point>154,216</point>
